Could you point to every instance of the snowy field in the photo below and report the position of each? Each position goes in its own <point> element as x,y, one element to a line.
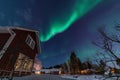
<point>42,77</point>
<point>63,77</point>
<point>83,77</point>
<point>89,77</point>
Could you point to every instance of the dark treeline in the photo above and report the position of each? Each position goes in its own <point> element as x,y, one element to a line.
<point>74,65</point>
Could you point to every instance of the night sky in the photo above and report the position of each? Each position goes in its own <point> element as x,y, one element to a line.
<point>64,25</point>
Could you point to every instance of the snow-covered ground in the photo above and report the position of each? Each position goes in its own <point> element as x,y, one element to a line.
<point>83,77</point>
<point>41,77</point>
<point>62,77</point>
<point>89,77</point>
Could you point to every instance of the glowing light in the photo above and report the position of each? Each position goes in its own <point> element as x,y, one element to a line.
<point>60,72</point>
<point>112,70</point>
<point>37,66</point>
<point>37,72</point>
<point>61,24</point>
<point>84,71</point>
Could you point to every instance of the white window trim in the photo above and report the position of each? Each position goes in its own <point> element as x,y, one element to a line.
<point>31,42</point>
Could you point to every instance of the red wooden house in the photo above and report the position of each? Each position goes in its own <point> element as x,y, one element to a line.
<point>18,49</point>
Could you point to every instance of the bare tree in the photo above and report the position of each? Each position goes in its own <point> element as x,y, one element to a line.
<point>107,44</point>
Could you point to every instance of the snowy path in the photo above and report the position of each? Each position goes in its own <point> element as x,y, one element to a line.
<point>89,77</point>
<point>41,77</point>
<point>84,77</point>
<point>62,77</point>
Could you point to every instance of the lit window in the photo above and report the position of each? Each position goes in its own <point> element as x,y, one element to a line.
<point>30,42</point>
<point>23,63</point>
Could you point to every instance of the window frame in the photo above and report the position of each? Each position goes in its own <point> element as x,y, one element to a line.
<point>30,42</point>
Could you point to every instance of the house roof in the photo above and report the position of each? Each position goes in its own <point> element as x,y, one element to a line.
<point>4,30</point>
<point>9,29</point>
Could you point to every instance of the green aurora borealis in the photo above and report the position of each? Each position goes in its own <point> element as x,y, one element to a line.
<point>65,26</point>
<point>63,21</point>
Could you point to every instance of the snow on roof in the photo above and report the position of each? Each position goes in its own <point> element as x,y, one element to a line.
<point>21,28</point>
<point>4,30</point>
